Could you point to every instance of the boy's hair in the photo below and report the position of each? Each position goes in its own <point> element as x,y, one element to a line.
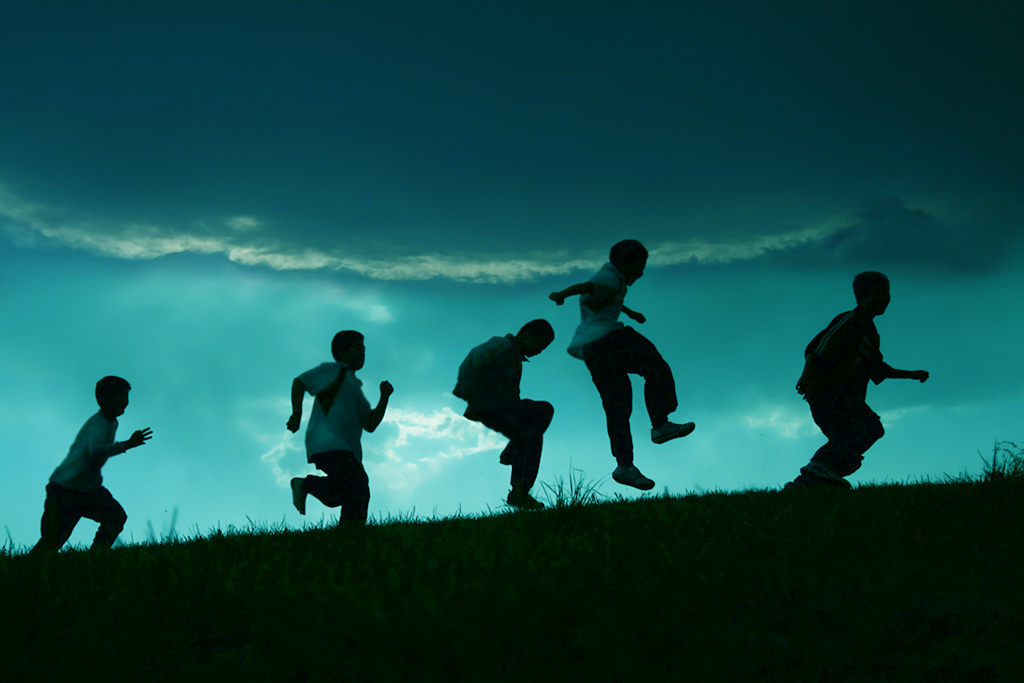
<point>867,281</point>
<point>111,385</point>
<point>343,341</point>
<point>625,251</point>
<point>539,327</point>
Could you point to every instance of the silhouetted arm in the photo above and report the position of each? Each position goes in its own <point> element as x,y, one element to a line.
<point>635,315</point>
<point>298,392</point>
<point>581,288</point>
<point>893,373</point>
<point>376,416</point>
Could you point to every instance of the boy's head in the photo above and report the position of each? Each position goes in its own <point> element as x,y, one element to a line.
<point>630,258</point>
<point>349,348</point>
<point>871,289</point>
<point>535,336</point>
<point>112,395</point>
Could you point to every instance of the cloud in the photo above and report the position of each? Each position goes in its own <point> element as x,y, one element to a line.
<point>885,232</point>
<point>788,423</point>
<point>424,441</point>
<point>246,241</point>
<point>888,232</point>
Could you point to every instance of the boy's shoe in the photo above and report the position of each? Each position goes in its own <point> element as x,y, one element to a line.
<point>299,494</point>
<point>518,498</point>
<point>631,476</point>
<point>816,473</point>
<point>671,430</point>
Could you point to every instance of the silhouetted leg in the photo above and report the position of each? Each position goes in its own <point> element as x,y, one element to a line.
<point>523,425</point>
<point>612,382</point>
<point>355,491</point>
<point>640,357</point>
<point>59,519</point>
<point>346,484</point>
<point>851,428</point>
<point>100,506</point>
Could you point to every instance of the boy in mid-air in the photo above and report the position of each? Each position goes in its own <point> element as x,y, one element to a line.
<point>339,416</point>
<point>613,351</point>
<point>839,361</point>
<point>76,487</point>
<point>488,381</point>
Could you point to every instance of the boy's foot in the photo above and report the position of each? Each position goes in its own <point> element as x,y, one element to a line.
<point>815,473</point>
<point>631,476</point>
<point>299,494</point>
<point>671,430</point>
<point>518,498</point>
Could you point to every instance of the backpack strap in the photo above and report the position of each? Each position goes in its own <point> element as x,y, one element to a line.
<point>328,395</point>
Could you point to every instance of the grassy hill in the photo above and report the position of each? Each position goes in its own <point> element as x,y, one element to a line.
<point>919,582</point>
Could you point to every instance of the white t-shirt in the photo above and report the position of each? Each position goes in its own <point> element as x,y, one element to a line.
<point>80,470</point>
<point>341,427</point>
<point>609,286</point>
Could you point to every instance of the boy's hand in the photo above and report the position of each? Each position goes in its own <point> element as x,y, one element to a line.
<point>921,375</point>
<point>140,437</point>
<point>637,316</point>
<point>293,423</point>
<point>386,389</point>
<point>557,297</point>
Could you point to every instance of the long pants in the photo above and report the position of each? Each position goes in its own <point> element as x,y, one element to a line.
<point>346,484</point>
<point>851,428</point>
<point>611,360</point>
<point>63,509</point>
<point>523,424</point>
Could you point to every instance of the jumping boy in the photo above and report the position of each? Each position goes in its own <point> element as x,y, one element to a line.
<point>488,381</point>
<point>839,361</point>
<point>340,414</point>
<point>613,351</point>
<point>76,487</point>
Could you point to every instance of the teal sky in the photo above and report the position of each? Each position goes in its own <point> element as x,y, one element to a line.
<point>197,197</point>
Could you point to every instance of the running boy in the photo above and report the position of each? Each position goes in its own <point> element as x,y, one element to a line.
<point>613,351</point>
<point>839,361</point>
<point>76,487</point>
<point>488,381</point>
<point>340,414</point>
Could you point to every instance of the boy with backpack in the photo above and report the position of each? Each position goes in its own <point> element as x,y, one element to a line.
<point>839,362</point>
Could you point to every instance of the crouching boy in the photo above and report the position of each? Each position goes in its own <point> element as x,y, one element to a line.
<point>489,381</point>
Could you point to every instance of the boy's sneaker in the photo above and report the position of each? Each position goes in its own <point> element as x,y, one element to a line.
<point>671,430</point>
<point>299,494</point>
<point>631,476</point>
<point>821,474</point>
<point>518,498</point>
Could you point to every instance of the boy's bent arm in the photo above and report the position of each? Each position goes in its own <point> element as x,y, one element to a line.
<point>298,393</point>
<point>376,416</point>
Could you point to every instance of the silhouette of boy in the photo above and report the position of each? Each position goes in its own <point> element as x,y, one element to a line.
<point>839,361</point>
<point>75,489</point>
<point>339,416</point>
<point>613,351</point>
<point>488,381</point>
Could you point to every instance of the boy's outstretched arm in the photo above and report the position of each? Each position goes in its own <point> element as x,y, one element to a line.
<point>139,438</point>
<point>920,375</point>
<point>376,416</point>
<point>298,392</point>
<point>581,288</point>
